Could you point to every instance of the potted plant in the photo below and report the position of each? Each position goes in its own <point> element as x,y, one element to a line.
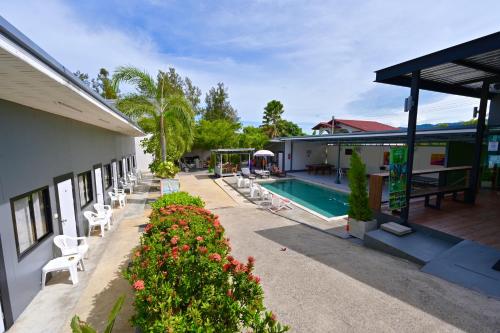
<point>167,170</point>
<point>359,215</point>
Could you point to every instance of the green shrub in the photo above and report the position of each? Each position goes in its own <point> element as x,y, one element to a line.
<point>167,169</point>
<point>177,198</point>
<point>358,198</point>
<point>186,281</point>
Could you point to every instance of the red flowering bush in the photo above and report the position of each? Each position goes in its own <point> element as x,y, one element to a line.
<point>186,281</point>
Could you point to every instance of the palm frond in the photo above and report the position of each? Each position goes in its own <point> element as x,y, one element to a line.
<point>136,106</point>
<point>144,82</point>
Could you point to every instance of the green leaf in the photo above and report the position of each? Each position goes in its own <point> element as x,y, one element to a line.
<point>114,313</point>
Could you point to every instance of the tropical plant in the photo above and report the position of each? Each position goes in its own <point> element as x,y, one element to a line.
<point>177,198</point>
<point>272,115</point>
<point>159,108</point>
<point>104,86</point>
<point>288,128</point>
<point>165,169</point>
<point>79,326</point>
<point>186,281</point>
<point>253,137</point>
<point>218,106</point>
<point>219,133</point>
<point>358,198</point>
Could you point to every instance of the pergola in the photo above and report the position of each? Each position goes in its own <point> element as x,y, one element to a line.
<point>470,69</point>
<point>229,151</point>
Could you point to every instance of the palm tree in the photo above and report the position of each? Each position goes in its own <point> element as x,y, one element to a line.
<point>167,116</point>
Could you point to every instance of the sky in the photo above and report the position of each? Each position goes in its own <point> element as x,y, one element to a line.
<point>317,57</point>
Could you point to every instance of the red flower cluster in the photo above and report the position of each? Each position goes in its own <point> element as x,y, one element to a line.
<point>215,257</point>
<point>138,285</point>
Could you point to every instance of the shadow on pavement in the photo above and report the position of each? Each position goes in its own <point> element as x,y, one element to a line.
<point>424,293</point>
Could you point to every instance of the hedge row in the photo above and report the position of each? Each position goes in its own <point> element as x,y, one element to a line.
<point>185,279</point>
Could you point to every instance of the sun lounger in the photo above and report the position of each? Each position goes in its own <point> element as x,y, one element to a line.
<point>279,203</point>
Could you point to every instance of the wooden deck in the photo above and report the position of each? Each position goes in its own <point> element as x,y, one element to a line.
<point>479,222</point>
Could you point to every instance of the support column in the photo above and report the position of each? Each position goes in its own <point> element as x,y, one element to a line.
<point>478,144</point>
<point>337,180</point>
<point>410,140</point>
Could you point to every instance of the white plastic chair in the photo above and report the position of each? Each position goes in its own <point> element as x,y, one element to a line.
<point>106,211</point>
<point>127,186</point>
<point>72,245</point>
<point>117,198</point>
<point>94,221</point>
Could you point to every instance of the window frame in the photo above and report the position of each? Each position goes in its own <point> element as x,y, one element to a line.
<point>89,172</point>
<point>48,218</point>
<point>109,173</point>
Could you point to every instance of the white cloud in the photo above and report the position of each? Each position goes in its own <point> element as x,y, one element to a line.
<point>316,57</point>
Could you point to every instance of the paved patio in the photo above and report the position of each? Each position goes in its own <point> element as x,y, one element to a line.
<point>316,282</point>
<point>101,284</point>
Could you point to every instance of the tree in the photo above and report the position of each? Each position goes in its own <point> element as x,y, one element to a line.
<point>104,86</point>
<point>471,122</point>
<point>288,128</point>
<point>253,137</point>
<point>84,77</point>
<point>219,133</point>
<point>193,94</point>
<point>159,110</point>
<point>272,116</point>
<point>217,105</point>
<point>358,198</point>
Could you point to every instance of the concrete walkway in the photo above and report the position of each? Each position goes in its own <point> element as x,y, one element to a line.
<point>101,284</point>
<point>316,282</point>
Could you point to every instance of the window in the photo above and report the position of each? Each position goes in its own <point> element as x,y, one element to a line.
<point>133,161</point>
<point>128,164</point>
<point>108,181</point>
<point>32,219</point>
<point>85,187</point>
<point>348,151</point>
<point>120,168</point>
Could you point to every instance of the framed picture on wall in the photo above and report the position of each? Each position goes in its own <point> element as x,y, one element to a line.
<point>437,159</point>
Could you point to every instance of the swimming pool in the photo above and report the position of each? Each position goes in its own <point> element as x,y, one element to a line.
<point>325,202</point>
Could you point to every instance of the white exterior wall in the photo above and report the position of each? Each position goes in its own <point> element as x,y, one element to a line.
<point>143,160</point>
<point>372,156</point>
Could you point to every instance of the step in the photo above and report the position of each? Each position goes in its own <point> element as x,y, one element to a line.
<point>395,228</point>
<point>418,246</point>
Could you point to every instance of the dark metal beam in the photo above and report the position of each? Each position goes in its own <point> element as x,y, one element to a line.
<point>475,65</point>
<point>410,141</point>
<point>405,81</point>
<point>337,180</point>
<point>480,127</point>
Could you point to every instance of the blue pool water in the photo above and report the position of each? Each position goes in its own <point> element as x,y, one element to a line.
<point>325,201</point>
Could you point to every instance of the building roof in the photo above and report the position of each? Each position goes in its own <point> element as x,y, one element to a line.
<point>388,137</point>
<point>458,70</point>
<point>363,125</point>
<point>29,76</point>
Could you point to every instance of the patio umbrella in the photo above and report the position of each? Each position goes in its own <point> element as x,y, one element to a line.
<point>263,153</point>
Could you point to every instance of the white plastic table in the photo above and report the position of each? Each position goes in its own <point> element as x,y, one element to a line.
<point>65,263</point>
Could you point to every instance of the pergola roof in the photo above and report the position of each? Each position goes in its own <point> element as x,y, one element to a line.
<point>458,70</point>
<point>233,150</point>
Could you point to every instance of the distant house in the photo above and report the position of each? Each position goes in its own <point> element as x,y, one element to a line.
<point>352,126</point>
<point>62,148</point>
